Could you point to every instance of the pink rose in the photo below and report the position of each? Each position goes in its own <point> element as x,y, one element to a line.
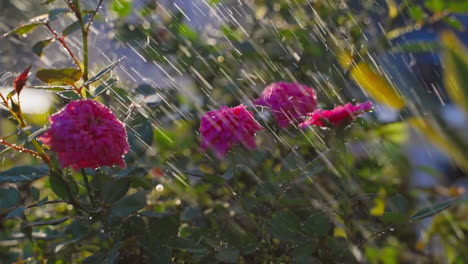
<point>86,134</point>
<point>288,101</point>
<point>223,128</point>
<point>339,116</point>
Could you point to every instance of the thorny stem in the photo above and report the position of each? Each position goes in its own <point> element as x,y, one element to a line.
<point>88,187</point>
<point>61,39</point>
<point>84,34</point>
<point>25,150</point>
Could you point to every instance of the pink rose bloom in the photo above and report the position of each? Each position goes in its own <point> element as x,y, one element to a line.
<point>86,134</point>
<point>223,128</point>
<point>288,101</point>
<point>341,115</point>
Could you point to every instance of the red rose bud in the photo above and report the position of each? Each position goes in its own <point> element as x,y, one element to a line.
<point>20,81</point>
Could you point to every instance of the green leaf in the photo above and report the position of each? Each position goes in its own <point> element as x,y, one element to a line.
<point>303,253</point>
<point>28,27</point>
<point>435,5</point>
<point>455,58</point>
<point>69,76</point>
<point>101,73</point>
<point>49,222</point>
<point>76,25</point>
<point>22,174</point>
<point>42,201</point>
<point>16,212</point>
<point>398,203</point>
<point>35,193</point>
<point>9,197</point>
<point>104,87</point>
<point>69,95</point>
<point>56,12</point>
<point>317,225</point>
<point>116,190</point>
<point>430,211</point>
<point>286,227</point>
<point>122,8</point>
<point>229,255</point>
<point>38,48</point>
<point>46,2</point>
<point>394,217</point>
<point>129,205</point>
<point>454,22</point>
<point>417,13</point>
<point>59,186</point>
<point>187,245</point>
<point>458,6</point>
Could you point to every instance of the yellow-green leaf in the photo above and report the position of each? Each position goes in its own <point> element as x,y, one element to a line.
<point>455,59</point>
<point>69,76</point>
<point>377,86</point>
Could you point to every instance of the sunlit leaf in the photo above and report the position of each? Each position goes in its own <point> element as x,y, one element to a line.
<point>50,76</point>
<point>101,73</point>
<point>20,81</point>
<point>38,48</point>
<point>377,85</point>
<point>455,58</point>
<point>104,87</point>
<point>122,8</point>
<point>435,5</point>
<point>28,27</point>
<point>435,209</point>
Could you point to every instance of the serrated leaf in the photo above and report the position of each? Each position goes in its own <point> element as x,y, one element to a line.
<point>22,174</point>
<point>129,205</point>
<point>101,73</point>
<point>435,209</point>
<point>38,48</point>
<point>9,197</point>
<point>16,212</point>
<point>69,76</point>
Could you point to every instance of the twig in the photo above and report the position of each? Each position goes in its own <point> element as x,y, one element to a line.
<point>94,16</point>
<point>61,39</point>
<point>88,187</point>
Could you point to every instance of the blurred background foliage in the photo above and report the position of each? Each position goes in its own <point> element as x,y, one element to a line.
<point>393,194</point>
